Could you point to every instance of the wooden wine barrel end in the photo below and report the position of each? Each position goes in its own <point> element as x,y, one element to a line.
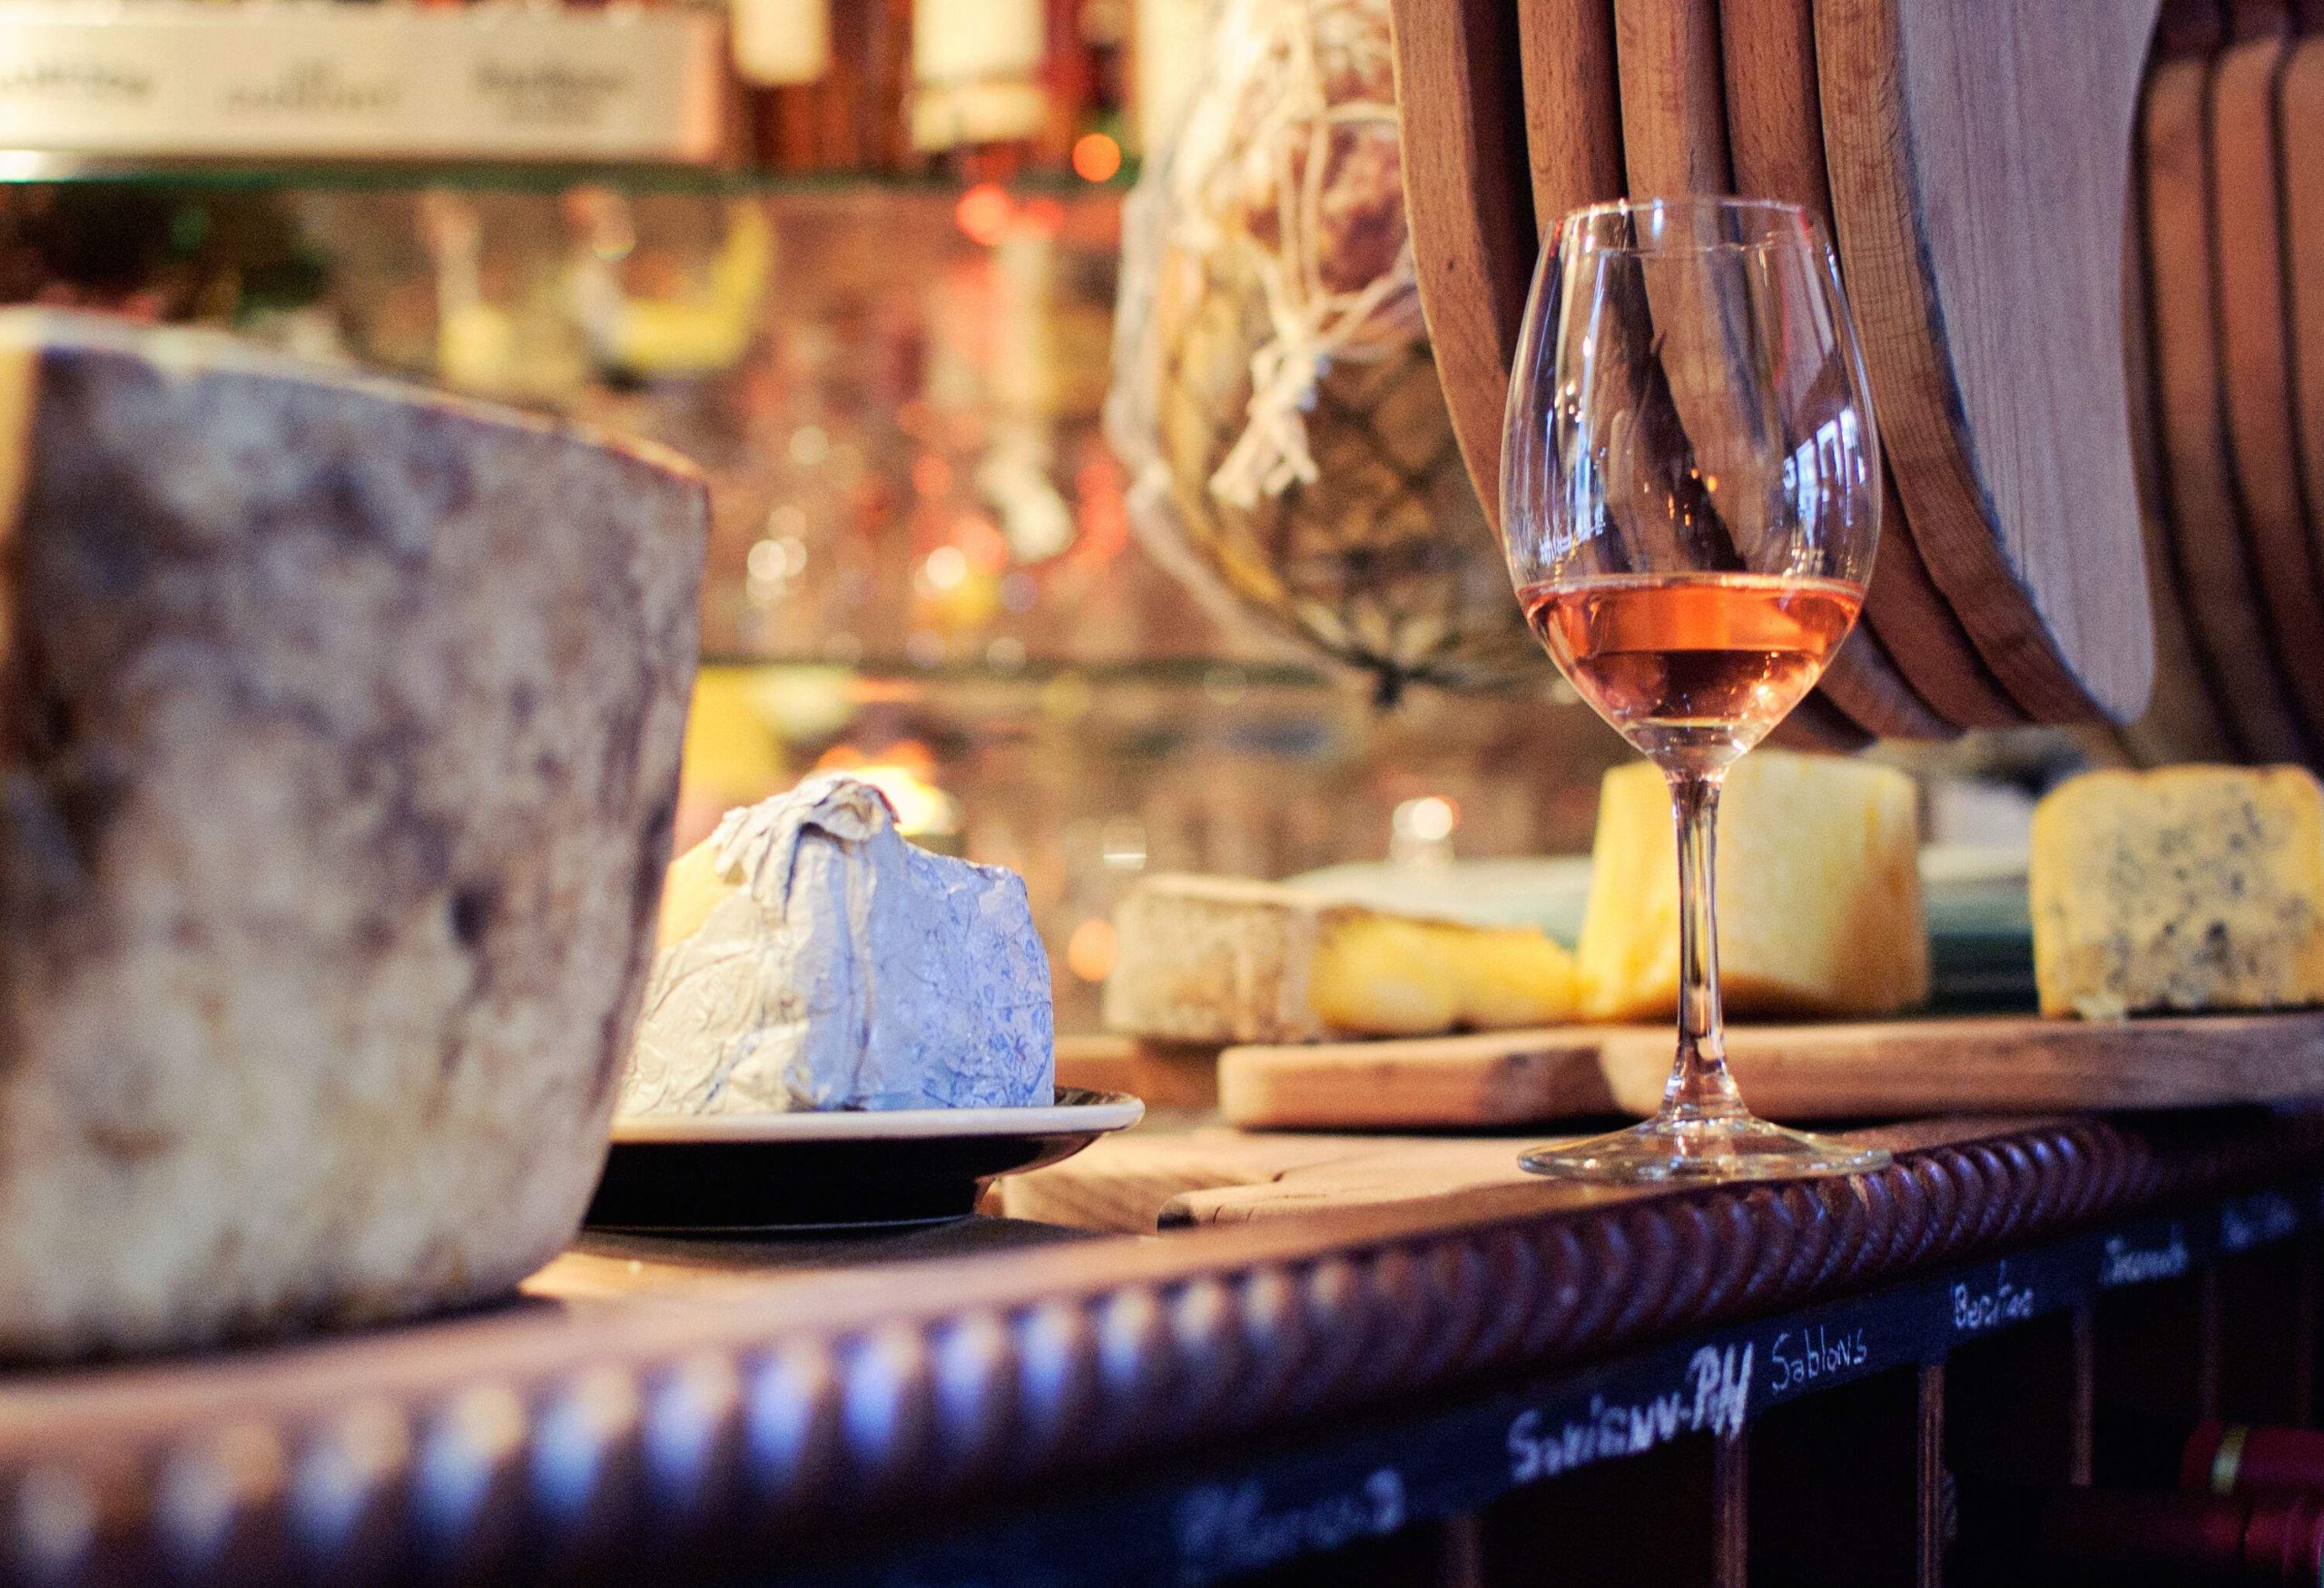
<point>2056,561</point>
<point>1468,201</point>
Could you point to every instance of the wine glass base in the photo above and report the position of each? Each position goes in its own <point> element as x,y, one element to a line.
<point>1702,1150</point>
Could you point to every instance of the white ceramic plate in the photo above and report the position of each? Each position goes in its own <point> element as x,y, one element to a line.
<point>765,1174</point>
<point>1106,1112</point>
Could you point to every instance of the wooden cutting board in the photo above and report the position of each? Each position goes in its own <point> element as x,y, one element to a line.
<point>1862,682</point>
<point>1133,1183</point>
<point>1978,155</point>
<point>1928,647</point>
<point>2247,238</point>
<point>1818,724</point>
<point>1147,1178</point>
<point>1858,1069</point>
<point>1775,137</point>
<point>1468,201</point>
<point>2217,584</point>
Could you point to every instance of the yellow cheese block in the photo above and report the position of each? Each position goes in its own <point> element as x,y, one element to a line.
<point>1383,977</point>
<point>690,893</point>
<point>1819,891</point>
<point>2187,888</point>
<point>1511,977</point>
<point>1379,975</point>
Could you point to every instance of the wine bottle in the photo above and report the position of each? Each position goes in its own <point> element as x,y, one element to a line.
<point>782,55</point>
<point>2066,1537</point>
<point>2209,1457</point>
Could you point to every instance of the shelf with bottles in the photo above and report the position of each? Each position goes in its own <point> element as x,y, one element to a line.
<point>921,544</point>
<point>744,97</point>
<point>1006,667</point>
<point>33,168</point>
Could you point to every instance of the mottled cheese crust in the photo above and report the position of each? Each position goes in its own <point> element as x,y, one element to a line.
<point>1819,891</point>
<point>1225,960</point>
<point>342,739</point>
<point>2186,888</point>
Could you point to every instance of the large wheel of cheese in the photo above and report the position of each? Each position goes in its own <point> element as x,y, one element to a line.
<point>341,727</point>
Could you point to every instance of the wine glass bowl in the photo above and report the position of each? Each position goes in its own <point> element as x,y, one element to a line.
<point>1690,507</point>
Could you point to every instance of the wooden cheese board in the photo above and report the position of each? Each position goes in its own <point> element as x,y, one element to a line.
<point>2299,109</point>
<point>1856,1069</point>
<point>1573,130</point>
<point>1216,1175</point>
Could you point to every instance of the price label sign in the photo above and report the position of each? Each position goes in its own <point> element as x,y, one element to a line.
<point>169,81</point>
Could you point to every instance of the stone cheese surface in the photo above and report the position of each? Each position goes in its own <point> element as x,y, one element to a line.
<point>812,959</point>
<point>2186,888</point>
<point>341,731</point>
<point>1820,910</point>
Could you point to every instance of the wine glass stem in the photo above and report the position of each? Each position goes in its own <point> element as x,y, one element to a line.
<point>1699,1086</point>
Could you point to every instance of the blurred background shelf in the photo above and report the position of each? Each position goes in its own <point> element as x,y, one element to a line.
<point>22,165</point>
<point>879,307</point>
<point>1225,681</point>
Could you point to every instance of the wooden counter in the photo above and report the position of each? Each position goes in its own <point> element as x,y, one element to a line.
<point>1014,1402</point>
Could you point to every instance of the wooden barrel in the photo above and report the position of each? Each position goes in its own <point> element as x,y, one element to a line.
<point>2019,212</point>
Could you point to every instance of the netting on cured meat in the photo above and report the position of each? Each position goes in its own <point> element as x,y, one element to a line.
<point>1274,392</point>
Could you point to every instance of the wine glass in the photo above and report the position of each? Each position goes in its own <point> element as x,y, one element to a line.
<point>1690,495</point>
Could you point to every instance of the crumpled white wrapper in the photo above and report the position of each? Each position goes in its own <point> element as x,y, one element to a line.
<point>851,970</point>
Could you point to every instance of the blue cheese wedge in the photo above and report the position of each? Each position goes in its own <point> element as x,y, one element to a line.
<point>812,959</point>
<point>2187,888</point>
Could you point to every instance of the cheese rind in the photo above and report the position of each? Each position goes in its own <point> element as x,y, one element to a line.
<point>2184,888</point>
<point>343,747</point>
<point>815,959</point>
<point>1214,959</point>
<point>1225,959</point>
<point>1819,891</point>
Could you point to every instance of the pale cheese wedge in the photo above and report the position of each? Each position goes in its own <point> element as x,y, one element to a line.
<point>1819,891</point>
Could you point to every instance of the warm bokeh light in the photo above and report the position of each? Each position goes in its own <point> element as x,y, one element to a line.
<point>945,569</point>
<point>1431,819</point>
<point>984,212</point>
<point>931,474</point>
<point>1420,832</point>
<point>901,771</point>
<point>982,542</point>
<point>1096,157</point>
<point>1089,952</point>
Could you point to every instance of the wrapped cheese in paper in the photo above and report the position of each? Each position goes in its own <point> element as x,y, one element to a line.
<point>840,967</point>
